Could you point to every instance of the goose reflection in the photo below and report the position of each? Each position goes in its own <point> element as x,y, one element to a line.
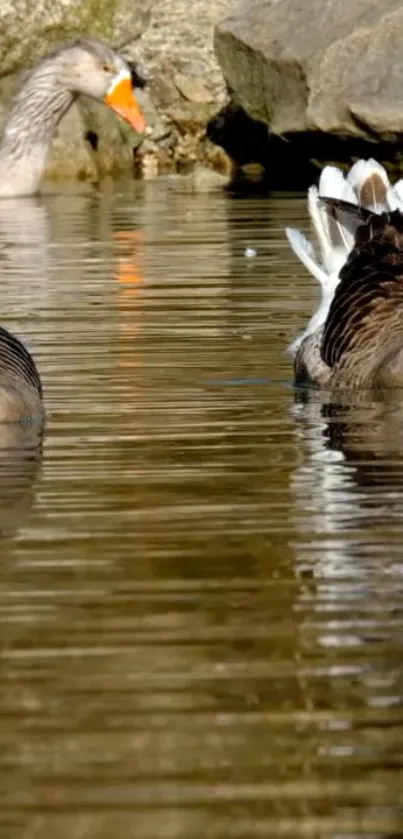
<point>24,238</point>
<point>349,489</point>
<point>24,234</point>
<point>348,496</point>
<point>20,462</point>
<point>364,431</point>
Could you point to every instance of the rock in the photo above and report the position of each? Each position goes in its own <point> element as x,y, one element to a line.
<point>186,84</point>
<point>71,155</point>
<point>260,158</point>
<point>317,66</point>
<point>201,179</point>
<point>193,88</point>
<point>29,31</point>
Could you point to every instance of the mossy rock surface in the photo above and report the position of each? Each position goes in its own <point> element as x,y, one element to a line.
<point>29,30</point>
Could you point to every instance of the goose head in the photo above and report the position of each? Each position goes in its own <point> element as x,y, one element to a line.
<point>90,68</point>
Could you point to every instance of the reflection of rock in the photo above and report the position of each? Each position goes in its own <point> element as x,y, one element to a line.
<point>321,68</point>
<point>20,459</point>
<point>24,243</point>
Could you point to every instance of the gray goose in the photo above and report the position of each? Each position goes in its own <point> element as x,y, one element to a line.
<point>86,67</point>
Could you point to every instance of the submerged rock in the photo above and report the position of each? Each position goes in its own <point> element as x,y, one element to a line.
<point>314,66</point>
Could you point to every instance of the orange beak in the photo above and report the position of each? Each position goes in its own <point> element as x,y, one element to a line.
<point>121,99</point>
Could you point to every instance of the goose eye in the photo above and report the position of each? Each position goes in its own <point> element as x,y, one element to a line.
<point>107,68</point>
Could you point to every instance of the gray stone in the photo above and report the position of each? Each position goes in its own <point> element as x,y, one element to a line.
<point>193,88</point>
<point>29,30</point>
<point>317,65</point>
<point>201,179</point>
<point>186,83</point>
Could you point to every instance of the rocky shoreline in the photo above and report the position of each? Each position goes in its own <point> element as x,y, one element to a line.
<point>268,90</point>
<point>185,86</point>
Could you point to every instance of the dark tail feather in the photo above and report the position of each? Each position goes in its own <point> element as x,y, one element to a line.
<point>362,223</point>
<point>349,214</point>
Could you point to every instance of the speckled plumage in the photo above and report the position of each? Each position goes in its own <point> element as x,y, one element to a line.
<point>359,343</point>
<point>45,96</point>
<point>363,334</point>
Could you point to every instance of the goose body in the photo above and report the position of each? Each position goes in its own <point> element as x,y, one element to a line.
<point>20,384</point>
<point>86,67</point>
<point>355,338</point>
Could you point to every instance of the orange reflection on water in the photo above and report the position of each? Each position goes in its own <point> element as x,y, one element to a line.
<point>129,277</point>
<point>128,263</point>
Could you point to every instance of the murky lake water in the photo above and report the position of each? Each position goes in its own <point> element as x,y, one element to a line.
<point>201,598</point>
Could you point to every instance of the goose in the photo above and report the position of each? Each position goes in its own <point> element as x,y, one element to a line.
<point>21,395</point>
<point>84,66</point>
<point>355,337</point>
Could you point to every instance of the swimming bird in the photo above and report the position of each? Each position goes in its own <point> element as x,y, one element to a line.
<point>355,338</point>
<point>21,396</point>
<point>85,66</point>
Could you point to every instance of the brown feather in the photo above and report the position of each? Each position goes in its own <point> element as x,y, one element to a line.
<point>365,320</point>
<point>372,191</point>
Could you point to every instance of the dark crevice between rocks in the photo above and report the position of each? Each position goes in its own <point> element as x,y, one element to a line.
<point>92,138</point>
<point>138,74</point>
<point>264,161</point>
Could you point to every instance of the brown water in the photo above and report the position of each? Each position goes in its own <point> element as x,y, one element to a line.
<point>201,593</point>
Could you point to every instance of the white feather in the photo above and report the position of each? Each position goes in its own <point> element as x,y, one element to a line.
<point>318,218</point>
<point>333,239</point>
<point>319,317</point>
<point>363,169</point>
<point>398,194</point>
<point>332,182</point>
<point>360,172</point>
<point>306,254</point>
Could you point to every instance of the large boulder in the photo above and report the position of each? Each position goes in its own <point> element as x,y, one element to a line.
<point>331,66</point>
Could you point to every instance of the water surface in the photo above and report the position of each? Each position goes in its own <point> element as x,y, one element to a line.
<point>201,593</point>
